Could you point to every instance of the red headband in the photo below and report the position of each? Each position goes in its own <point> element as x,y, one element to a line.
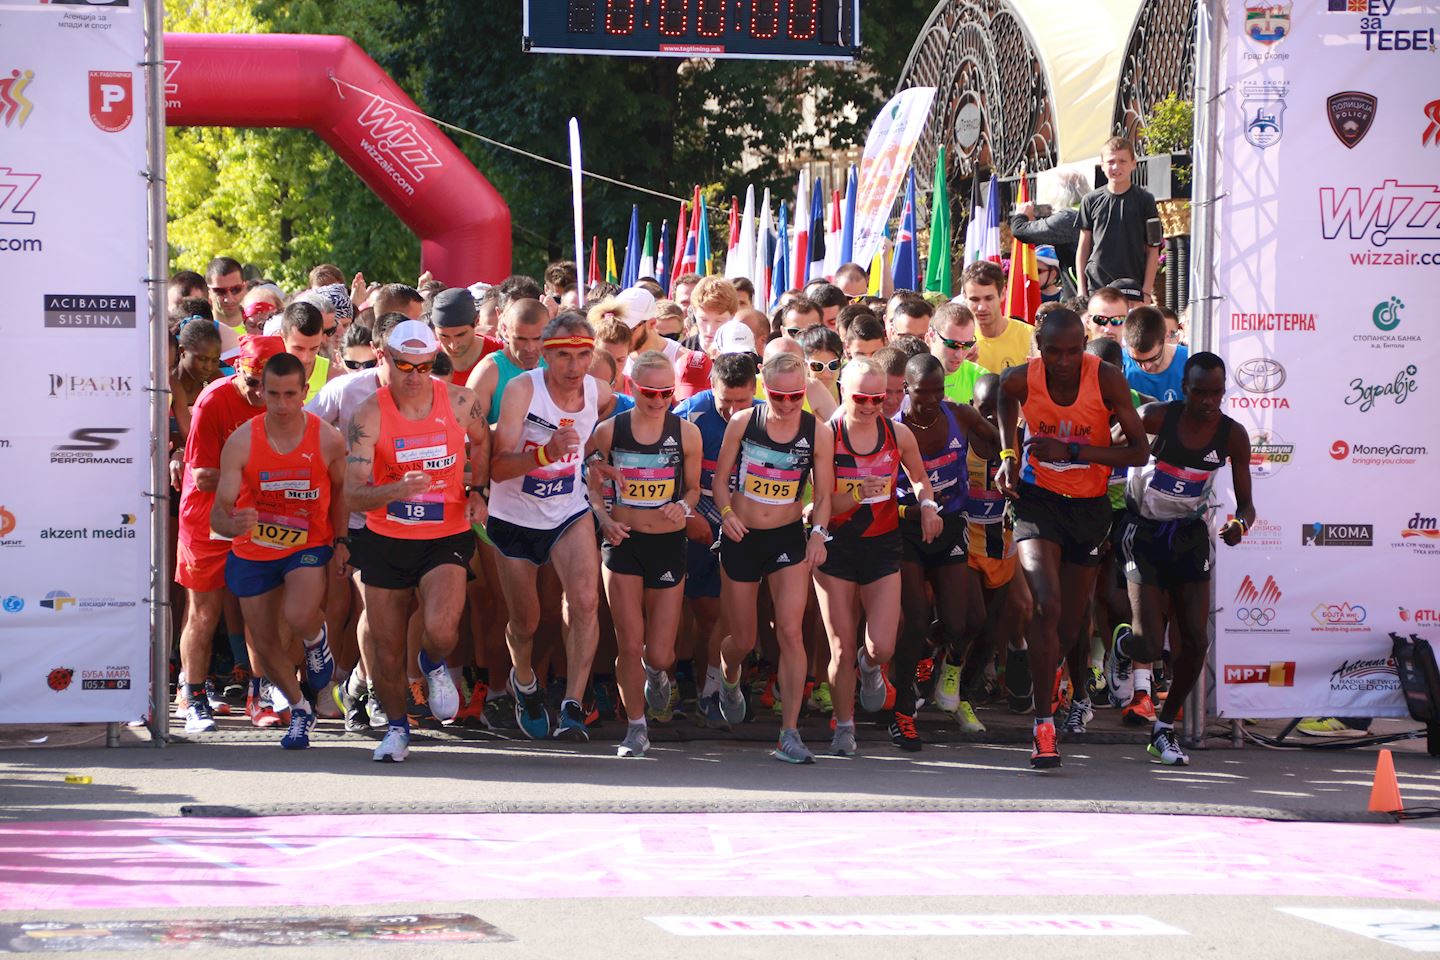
<point>574,341</point>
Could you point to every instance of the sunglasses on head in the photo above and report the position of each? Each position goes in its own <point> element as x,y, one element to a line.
<point>656,393</point>
<point>1103,321</point>
<point>361,364</point>
<point>404,366</point>
<point>819,365</point>
<point>234,291</point>
<point>785,397</point>
<point>861,399</point>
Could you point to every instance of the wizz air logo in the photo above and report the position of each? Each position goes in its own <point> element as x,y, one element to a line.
<point>1391,211</point>
<point>397,147</point>
<point>14,188</point>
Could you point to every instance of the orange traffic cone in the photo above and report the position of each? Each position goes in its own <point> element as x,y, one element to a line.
<point>1385,793</point>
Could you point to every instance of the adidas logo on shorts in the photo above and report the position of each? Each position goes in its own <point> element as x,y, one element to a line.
<point>1212,457</point>
<point>783,558</point>
<point>667,577</point>
<point>955,551</point>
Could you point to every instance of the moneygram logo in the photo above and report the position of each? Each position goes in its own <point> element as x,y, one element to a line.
<point>1255,606</point>
<point>1269,454</point>
<point>1392,454</point>
<point>1363,396</point>
<point>398,147</point>
<point>15,108</point>
<point>1338,616</point>
<point>1276,673</point>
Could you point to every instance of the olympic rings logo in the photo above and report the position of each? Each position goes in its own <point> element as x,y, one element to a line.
<point>1256,616</point>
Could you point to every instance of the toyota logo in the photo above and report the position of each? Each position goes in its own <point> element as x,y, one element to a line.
<point>1260,375</point>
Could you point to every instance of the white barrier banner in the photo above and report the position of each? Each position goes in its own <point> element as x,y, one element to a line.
<point>1329,273</point>
<point>75,441</point>
<point>888,149</point>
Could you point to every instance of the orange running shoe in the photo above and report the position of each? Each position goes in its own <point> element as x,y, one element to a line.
<point>1059,703</point>
<point>1045,754</point>
<point>261,714</point>
<point>472,714</point>
<point>1140,710</point>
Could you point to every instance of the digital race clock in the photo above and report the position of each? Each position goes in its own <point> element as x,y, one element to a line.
<point>719,29</point>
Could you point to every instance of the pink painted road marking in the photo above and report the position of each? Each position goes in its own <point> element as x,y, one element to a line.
<point>284,861</point>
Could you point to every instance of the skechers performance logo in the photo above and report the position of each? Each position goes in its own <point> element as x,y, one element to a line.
<point>91,445</point>
<point>88,311</point>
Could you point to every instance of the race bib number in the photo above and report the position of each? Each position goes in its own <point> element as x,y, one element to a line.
<point>852,485</point>
<point>426,508</point>
<point>280,533</point>
<point>769,485</point>
<point>647,492</point>
<point>548,485</point>
<point>986,507</point>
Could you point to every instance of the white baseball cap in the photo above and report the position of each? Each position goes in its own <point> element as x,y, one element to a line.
<point>272,327</point>
<point>636,306</point>
<point>412,336</point>
<point>734,337</point>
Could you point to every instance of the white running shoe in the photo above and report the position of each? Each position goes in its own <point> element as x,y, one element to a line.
<point>441,694</point>
<point>872,685</point>
<point>395,747</point>
<point>636,742</point>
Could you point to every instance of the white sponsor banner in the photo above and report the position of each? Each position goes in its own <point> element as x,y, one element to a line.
<point>1417,930</point>
<point>888,149</point>
<point>75,453</point>
<point>918,925</point>
<point>1328,269</point>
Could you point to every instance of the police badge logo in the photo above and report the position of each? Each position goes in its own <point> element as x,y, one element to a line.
<point>1351,114</point>
<point>1267,22</point>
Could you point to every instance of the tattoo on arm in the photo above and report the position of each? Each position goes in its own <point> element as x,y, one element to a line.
<point>358,460</point>
<point>354,433</point>
<point>477,410</point>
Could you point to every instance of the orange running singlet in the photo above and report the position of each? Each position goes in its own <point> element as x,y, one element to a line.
<point>291,492</point>
<point>1086,421</point>
<point>435,444</point>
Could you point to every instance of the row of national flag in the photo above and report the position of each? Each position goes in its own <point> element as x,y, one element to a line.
<point>813,238</point>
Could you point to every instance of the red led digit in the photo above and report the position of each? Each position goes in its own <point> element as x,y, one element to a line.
<point>674,20</point>
<point>764,19</point>
<point>802,20</point>
<point>711,20</point>
<point>620,17</point>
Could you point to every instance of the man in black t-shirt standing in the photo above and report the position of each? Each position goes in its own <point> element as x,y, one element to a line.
<point>1113,241</point>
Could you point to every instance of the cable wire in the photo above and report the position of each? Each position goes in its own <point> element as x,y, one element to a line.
<point>496,143</point>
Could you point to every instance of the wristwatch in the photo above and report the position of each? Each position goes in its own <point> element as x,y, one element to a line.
<point>1072,450</point>
<point>341,541</point>
<point>824,534</point>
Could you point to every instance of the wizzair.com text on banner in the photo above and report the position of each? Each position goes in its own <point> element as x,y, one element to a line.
<point>1327,273</point>
<point>75,447</point>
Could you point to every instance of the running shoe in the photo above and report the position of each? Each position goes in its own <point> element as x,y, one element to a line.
<point>710,715</point>
<point>658,688</point>
<point>417,705</point>
<point>636,742</point>
<point>260,712</point>
<point>319,664</point>
<point>298,736</point>
<point>379,719</point>
<point>219,706</point>
<point>1044,755</point>
<point>395,747</point>
<point>842,744</point>
<point>792,749</point>
<point>198,718</point>
<point>238,684</point>
<point>327,703</point>
<point>1080,713</point>
<point>352,707</point>
<point>572,723</point>
<point>732,702</point>
<point>819,700</point>
<point>666,713</point>
<point>925,677</point>
<point>947,688</point>
<point>531,714</point>
<point>1019,690</point>
<point>441,694</point>
<point>1060,693</point>
<point>969,723</point>
<point>1140,710</point>
<point>1119,671</point>
<point>903,733</point>
<point>500,712</point>
<point>873,685</point>
<point>1329,727</point>
<point>606,704</point>
<point>1095,684</point>
<point>473,713</point>
<point>1165,748</point>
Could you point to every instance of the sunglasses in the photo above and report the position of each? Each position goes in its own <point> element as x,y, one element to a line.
<point>861,399</point>
<point>330,331</point>
<point>1107,321</point>
<point>1142,361</point>
<point>259,308</point>
<point>785,397</point>
<point>792,332</point>
<point>956,344</point>
<point>404,366</point>
<point>361,364</point>
<point>656,393</point>
<point>234,291</point>
<point>817,365</point>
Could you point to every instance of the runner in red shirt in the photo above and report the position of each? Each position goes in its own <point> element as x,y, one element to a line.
<point>456,323</point>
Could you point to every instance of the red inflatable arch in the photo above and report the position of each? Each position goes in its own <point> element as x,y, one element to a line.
<point>284,80</point>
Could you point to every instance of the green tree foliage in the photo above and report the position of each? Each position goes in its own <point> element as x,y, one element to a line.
<point>282,200</point>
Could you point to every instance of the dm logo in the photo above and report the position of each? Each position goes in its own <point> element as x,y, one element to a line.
<point>1387,314</point>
